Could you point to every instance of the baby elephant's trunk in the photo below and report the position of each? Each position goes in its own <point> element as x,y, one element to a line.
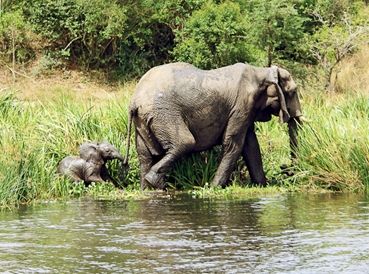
<point>119,157</point>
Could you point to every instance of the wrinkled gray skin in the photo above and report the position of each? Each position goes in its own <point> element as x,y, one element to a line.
<point>178,109</point>
<point>90,165</point>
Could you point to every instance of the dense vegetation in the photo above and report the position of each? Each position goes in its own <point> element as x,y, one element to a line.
<point>128,37</point>
<point>312,38</point>
<point>333,151</point>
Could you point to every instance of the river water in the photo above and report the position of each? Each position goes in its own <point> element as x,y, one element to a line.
<point>325,233</point>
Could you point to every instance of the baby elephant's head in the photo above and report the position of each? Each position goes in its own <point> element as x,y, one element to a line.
<point>99,152</point>
<point>109,152</point>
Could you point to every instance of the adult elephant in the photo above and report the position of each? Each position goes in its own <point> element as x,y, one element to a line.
<point>178,109</point>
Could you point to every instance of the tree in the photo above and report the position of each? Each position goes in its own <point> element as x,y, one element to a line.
<point>13,35</point>
<point>152,26</point>
<point>87,32</point>
<point>278,28</point>
<point>213,36</point>
<point>332,43</point>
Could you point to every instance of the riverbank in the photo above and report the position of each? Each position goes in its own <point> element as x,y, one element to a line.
<point>44,120</point>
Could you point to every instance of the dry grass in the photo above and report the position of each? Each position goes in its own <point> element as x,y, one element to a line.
<point>75,85</point>
<point>353,74</point>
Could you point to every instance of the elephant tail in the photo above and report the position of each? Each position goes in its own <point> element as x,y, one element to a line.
<point>132,112</point>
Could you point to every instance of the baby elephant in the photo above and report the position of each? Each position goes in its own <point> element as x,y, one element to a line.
<point>90,165</point>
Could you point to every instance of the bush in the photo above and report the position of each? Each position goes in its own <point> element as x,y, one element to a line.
<point>151,38</point>
<point>85,31</point>
<point>129,37</point>
<point>15,37</point>
<point>214,36</point>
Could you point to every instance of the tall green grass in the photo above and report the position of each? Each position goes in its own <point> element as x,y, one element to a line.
<point>35,136</point>
<point>334,147</point>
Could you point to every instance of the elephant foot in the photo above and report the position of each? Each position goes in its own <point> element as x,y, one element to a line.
<point>144,184</point>
<point>259,180</point>
<point>155,180</point>
<point>217,183</point>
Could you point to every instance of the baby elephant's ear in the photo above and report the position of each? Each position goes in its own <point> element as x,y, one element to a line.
<point>88,150</point>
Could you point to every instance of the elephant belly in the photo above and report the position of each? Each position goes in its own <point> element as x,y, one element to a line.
<point>205,141</point>
<point>207,132</point>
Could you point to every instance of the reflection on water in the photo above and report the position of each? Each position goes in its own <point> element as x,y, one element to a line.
<point>294,233</point>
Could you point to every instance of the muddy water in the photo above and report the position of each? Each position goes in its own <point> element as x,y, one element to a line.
<point>291,234</point>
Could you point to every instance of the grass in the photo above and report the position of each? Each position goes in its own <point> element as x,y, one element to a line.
<point>36,133</point>
<point>335,145</point>
<point>236,191</point>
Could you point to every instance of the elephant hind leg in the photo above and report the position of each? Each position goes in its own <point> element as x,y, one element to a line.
<point>145,158</point>
<point>179,142</point>
<point>147,138</point>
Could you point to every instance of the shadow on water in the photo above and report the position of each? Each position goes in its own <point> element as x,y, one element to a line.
<point>288,233</point>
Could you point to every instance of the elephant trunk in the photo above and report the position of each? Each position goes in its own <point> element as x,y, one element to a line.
<point>295,121</point>
<point>293,125</point>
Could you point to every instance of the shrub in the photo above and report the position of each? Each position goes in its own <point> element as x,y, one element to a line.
<point>15,37</point>
<point>84,31</point>
<point>213,36</point>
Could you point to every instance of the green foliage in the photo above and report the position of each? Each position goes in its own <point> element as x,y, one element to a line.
<point>86,31</point>
<point>334,146</point>
<point>173,13</point>
<point>332,11</point>
<point>152,27</point>
<point>236,192</point>
<point>130,37</point>
<point>15,36</point>
<point>279,27</point>
<point>213,36</point>
<point>195,170</point>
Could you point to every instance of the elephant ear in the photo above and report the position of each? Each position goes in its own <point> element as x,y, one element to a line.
<point>90,152</point>
<point>273,78</point>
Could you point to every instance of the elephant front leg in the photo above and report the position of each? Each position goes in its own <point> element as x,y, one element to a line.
<point>232,149</point>
<point>252,157</point>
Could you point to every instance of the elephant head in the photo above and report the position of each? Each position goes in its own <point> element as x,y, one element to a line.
<point>109,152</point>
<point>99,152</point>
<point>282,100</point>
<point>282,95</point>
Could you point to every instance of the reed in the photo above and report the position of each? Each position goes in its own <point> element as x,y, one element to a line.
<point>334,147</point>
<point>36,135</point>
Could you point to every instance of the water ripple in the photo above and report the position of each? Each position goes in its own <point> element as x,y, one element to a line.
<point>288,234</point>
